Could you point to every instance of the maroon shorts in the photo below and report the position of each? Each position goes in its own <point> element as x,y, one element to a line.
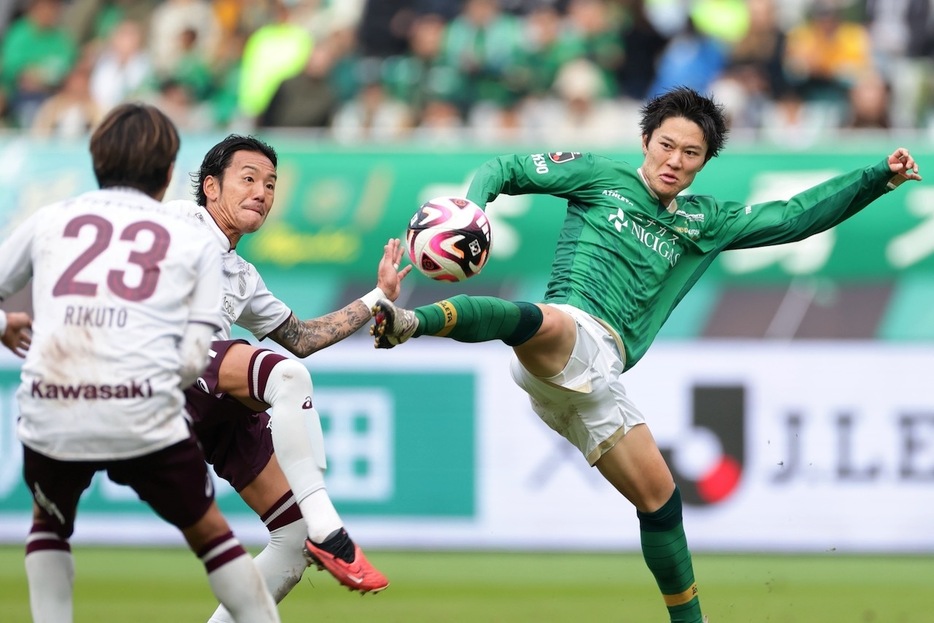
<point>173,481</point>
<point>236,440</point>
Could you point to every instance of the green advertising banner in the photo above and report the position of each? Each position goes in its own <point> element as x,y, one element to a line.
<point>391,452</point>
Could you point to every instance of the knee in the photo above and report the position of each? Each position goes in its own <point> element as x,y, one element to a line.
<point>292,372</point>
<point>288,377</point>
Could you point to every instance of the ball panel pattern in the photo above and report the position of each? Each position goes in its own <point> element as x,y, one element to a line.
<point>449,239</point>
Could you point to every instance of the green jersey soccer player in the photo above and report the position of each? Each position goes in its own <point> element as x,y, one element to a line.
<point>628,252</point>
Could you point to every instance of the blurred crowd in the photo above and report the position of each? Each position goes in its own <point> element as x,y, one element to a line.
<point>565,71</point>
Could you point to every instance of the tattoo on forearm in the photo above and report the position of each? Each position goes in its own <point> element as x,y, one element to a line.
<point>302,338</point>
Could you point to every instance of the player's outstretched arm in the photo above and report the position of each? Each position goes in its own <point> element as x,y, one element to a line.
<point>903,165</point>
<point>302,338</point>
<point>17,334</point>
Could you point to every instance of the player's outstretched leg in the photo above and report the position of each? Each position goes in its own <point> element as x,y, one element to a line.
<point>462,318</point>
<point>392,325</point>
<point>353,571</point>
<point>298,440</point>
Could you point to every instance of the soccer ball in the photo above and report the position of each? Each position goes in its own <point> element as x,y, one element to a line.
<point>449,239</point>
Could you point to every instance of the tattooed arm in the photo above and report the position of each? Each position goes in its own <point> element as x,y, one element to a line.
<point>302,338</point>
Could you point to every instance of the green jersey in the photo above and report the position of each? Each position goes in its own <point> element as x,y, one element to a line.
<point>628,260</point>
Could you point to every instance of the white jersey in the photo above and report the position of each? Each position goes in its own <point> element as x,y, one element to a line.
<point>116,279</point>
<point>247,302</point>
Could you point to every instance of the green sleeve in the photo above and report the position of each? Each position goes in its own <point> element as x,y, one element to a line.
<point>810,212</point>
<point>533,174</point>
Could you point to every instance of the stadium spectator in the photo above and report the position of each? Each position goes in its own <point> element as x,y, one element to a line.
<point>236,17</point>
<point>309,99</point>
<point>123,70</point>
<point>484,45</point>
<point>103,392</point>
<point>869,103</point>
<point>547,46</point>
<point>755,67</point>
<point>825,53</point>
<point>690,59</point>
<point>581,113</point>
<point>90,22</point>
<point>724,20</point>
<point>791,121</point>
<point>372,116</point>
<point>383,29</point>
<point>274,52</point>
<point>669,17</point>
<point>490,57</point>
<point>72,112</point>
<point>176,100</point>
<point>902,36</point>
<point>612,288</point>
<point>168,44</point>
<point>225,90</point>
<point>757,58</point>
<point>35,56</point>
<point>595,28</point>
<point>275,461</point>
<point>440,123</point>
<point>643,44</point>
<point>421,74</point>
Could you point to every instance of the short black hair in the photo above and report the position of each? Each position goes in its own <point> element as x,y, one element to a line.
<point>688,103</point>
<point>218,159</point>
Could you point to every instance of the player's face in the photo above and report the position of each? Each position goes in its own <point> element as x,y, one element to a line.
<point>673,156</point>
<point>243,197</point>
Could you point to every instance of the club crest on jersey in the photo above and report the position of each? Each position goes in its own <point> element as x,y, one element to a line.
<point>563,156</point>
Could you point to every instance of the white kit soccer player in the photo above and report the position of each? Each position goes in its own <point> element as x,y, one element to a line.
<point>101,379</point>
<point>247,301</point>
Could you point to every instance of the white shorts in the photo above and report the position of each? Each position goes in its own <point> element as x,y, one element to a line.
<point>586,402</point>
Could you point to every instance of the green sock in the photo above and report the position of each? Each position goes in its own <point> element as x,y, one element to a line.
<point>479,319</point>
<point>666,553</point>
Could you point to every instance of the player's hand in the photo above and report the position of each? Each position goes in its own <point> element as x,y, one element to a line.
<point>903,165</point>
<point>389,277</point>
<point>18,334</point>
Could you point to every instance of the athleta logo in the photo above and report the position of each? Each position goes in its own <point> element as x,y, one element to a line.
<point>661,240</point>
<point>307,403</point>
<point>88,391</point>
<point>616,195</point>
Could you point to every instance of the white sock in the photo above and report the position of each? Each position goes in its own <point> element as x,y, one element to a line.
<point>325,520</point>
<point>238,585</point>
<point>299,444</point>
<point>51,577</point>
<point>281,564</point>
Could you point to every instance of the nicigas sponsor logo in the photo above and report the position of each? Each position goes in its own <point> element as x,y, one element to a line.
<point>653,236</point>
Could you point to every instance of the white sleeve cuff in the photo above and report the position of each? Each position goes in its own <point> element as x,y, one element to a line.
<point>2,322</point>
<point>369,299</point>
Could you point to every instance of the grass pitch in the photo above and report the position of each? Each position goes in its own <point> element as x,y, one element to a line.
<point>167,585</point>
